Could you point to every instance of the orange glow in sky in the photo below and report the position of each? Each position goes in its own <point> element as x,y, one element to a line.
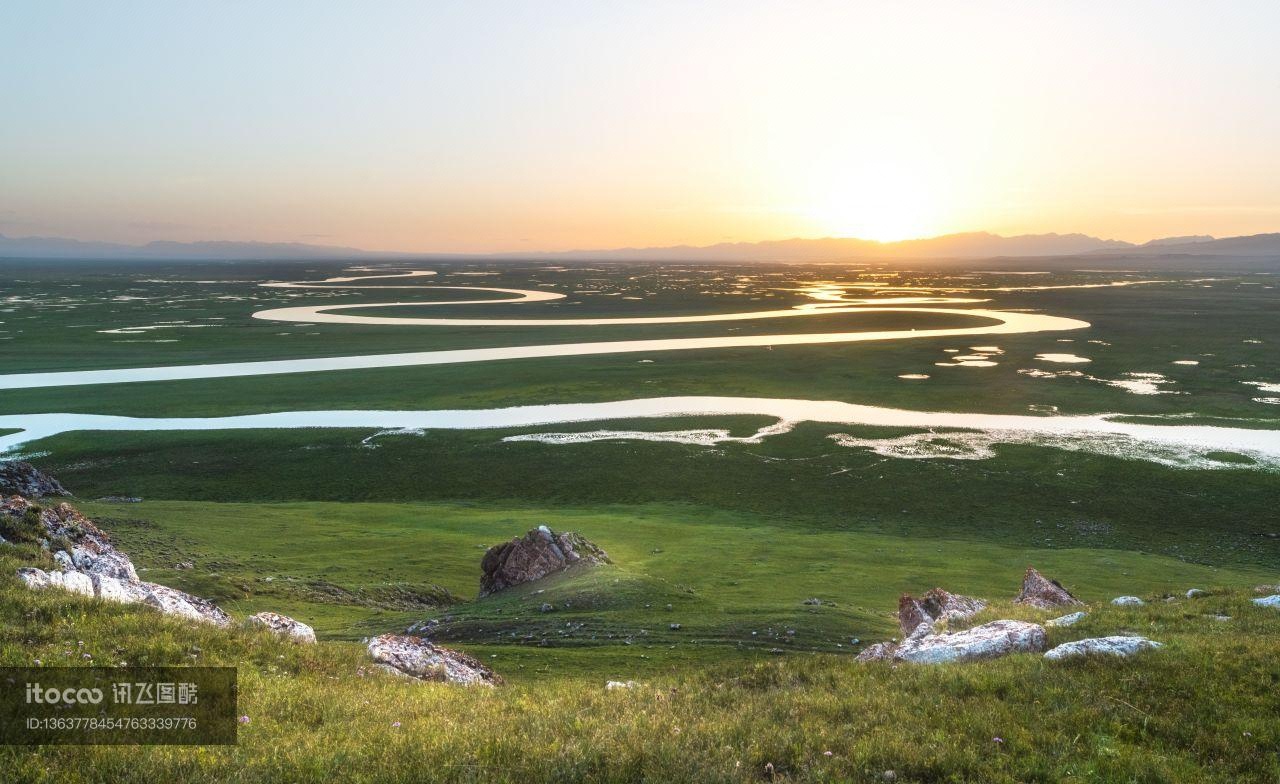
<point>525,126</point>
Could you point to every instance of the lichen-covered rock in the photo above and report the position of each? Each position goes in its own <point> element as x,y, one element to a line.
<point>174,602</point>
<point>1070,619</point>
<point>1269,601</point>
<point>19,478</point>
<point>988,641</point>
<point>38,579</point>
<point>415,657</point>
<point>1127,601</point>
<point>934,606</point>
<point>1102,646</point>
<point>284,626</point>
<point>1041,592</point>
<point>535,555</point>
<point>91,549</point>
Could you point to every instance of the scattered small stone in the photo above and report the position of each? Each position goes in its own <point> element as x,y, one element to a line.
<point>674,627</point>
<point>546,607</point>
<point>614,685</point>
<point>1127,601</point>
<point>1196,592</point>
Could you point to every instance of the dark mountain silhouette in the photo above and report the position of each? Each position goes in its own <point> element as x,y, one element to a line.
<point>973,245</point>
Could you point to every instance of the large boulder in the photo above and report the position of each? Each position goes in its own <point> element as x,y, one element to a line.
<point>19,478</point>
<point>1041,592</point>
<point>1127,601</point>
<point>415,657</point>
<point>1102,646</point>
<point>284,626</point>
<point>535,555</point>
<point>988,641</point>
<point>934,606</point>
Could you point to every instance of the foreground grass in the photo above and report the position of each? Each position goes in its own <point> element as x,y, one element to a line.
<point>1201,709</point>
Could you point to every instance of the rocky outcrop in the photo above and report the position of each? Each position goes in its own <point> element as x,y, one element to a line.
<point>1070,619</point>
<point>1102,646</point>
<point>284,626</point>
<point>1043,593</point>
<point>1269,601</point>
<point>24,479</point>
<point>934,606</point>
<point>90,549</point>
<point>988,641</point>
<point>535,555</point>
<point>1127,601</point>
<point>92,566</point>
<point>415,657</point>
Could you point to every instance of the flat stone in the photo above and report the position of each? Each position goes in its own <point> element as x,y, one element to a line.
<point>1070,619</point>
<point>1127,601</point>
<point>1102,646</point>
<point>415,657</point>
<point>988,641</point>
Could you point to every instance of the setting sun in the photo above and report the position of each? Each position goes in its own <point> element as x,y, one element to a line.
<point>879,201</point>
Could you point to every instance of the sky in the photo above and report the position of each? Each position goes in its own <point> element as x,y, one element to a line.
<point>507,126</point>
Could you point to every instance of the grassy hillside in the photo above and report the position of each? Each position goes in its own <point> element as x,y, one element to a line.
<point>1199,710</point>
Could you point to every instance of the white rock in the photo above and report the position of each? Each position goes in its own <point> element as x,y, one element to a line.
<point>416,657</point>
<point>174,602</point>
<point>33,578</point>
<point>611,685</point>
<point>1195,592</point>
<point>1269,601</point>
<point>987,641</point>
<point>75,582</point>
<point>284,626</point>
<point>1067,620</point>
<point>63,559</point>
<point>1105,646</point>
<point>113,589</point>
<point>1127,601</point>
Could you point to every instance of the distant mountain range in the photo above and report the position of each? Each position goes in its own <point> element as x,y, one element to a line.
<point>974,245</point>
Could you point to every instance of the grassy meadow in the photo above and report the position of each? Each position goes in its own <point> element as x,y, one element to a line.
<point>715,549</point>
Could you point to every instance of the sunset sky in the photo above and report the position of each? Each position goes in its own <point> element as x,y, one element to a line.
<point>478,126</point>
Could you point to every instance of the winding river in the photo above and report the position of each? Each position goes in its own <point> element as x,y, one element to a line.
<point>1104,433</point>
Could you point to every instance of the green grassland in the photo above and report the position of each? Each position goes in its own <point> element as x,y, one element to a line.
<point>1201,709</point>
<point>359,537</point>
